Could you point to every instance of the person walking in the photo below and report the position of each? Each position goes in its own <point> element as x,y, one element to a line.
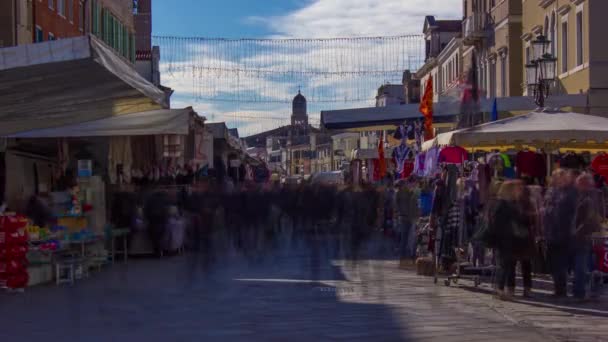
<point>510,231</point>
<point>587,221</point>
<point>558,221</point>
<point>407,213</point>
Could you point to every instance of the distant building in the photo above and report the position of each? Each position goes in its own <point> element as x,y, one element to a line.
<point>390,95</point>
<point>297,149</point>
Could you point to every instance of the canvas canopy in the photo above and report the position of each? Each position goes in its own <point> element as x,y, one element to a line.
<point>162,121</point>
<point>557,129</point>
<point>74,80</point>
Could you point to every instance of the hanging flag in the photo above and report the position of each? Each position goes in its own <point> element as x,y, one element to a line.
<point>381,160</point>
<point>494,115</point>
<point>426,108</point>
<point>469,105</point>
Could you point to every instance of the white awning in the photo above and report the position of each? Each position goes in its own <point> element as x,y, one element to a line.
<point>555,128</point>
<point>163,121</point>
<point>69,81</point>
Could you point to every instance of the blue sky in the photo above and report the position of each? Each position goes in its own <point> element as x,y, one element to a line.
<point>226,18</point>
<point>276,19</point>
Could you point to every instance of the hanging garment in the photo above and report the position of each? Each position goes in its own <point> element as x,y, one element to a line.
<point>400,154</point>
<point>599,165</point>
<point>399,133</point>
<point>449,234</point>
<point>411,132</point>
<point>453,155</point>
<point>531,164</point>
<point>408,169</point>
<point>419,164</point>
<point>418,135</point>
<point>431,162</point>
<point>120,160</point>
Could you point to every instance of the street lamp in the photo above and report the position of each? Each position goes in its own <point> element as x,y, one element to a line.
<point>540,72</point>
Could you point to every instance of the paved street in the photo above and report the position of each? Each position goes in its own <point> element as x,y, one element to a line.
<point>274,299</point>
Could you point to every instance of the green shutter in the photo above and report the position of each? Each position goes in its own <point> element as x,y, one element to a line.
<point>119,40</point>
<point>125,42</point>
<point>133,48</point>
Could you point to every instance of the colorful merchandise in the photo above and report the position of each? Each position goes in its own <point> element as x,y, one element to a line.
<point>13,250</point>
<point>453,155</point>
<point>600,165</point>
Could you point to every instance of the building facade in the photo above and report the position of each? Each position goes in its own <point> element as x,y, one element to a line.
<point>142,12</point>
<point>16,22</point>
<point>443,60</point>
<point>490,32</point>
<point>27,21</point>
<point>57,19</point>
<point>575,29</point>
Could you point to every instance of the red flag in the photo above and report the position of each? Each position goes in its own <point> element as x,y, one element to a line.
<point>426,108</point>
<point>381,160</point>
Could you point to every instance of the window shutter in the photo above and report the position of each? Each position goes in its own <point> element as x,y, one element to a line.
<point>133,48</point>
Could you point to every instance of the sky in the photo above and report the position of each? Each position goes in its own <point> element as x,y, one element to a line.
<point>278,19</point>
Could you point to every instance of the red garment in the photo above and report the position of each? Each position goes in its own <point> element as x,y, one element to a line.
<point>382,161</point>
<point>601,253</point>
<point>408,169</point>
<point>531,164</point>
<point>600,165</point>
<point>453,155</point>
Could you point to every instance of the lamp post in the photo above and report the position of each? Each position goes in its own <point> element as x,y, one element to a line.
<point>540,72</point>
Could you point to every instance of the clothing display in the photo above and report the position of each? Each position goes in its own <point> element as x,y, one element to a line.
<point>530,164</point>
<point>431,162</point>
<point>400,155</point>
<point>599,165</point>
<point>419,164</point>
<point>453,155</point>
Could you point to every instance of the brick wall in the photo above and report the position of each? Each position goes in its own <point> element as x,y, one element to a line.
<point>51,21</point>
<point>143,25</point>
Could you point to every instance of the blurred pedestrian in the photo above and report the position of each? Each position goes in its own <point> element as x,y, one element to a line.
<point>559,224</point>
<point>588,220</point>
<point>510,225</point>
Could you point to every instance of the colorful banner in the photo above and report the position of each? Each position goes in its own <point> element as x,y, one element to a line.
<point>426,108</point>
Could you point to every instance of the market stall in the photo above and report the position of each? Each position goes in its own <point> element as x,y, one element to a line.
<point>470,163</point>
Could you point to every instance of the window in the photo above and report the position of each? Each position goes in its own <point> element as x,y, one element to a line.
<point>71,10</point>
<point>51,36</point>
<point>51,5</point>
<point>579,38</point>
<point>503,77</point>
<point>80,17</point>
<point>61,7</point>
<point>39,34</point>
<point>552,35</point>
<point>492,86</point>
<point>527,54</point>
<point>564,53</point>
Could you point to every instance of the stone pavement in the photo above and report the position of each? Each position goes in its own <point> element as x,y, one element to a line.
<point>285,295</point>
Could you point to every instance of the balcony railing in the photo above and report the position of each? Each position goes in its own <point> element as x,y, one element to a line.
<point>476,27</point>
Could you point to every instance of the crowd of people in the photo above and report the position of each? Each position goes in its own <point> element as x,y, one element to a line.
<point>518,223</point>
<point>561,224</point>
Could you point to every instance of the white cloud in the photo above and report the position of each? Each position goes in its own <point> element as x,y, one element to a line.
<point>349,18</point>
<point>189,66</point>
